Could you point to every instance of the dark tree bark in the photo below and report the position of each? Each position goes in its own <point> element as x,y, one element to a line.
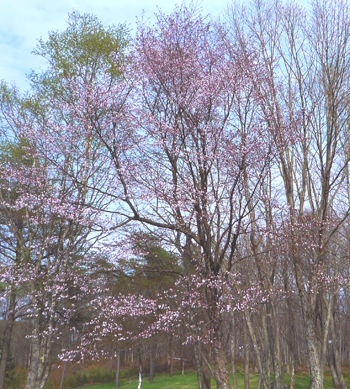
<point>152,357</point>
<point>118,372</point>
<point>232,346</point>
<point>246,356</point>
<point>6,343</point>
<point>198,364</point>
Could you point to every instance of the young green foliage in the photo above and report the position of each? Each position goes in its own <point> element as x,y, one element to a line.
<point>85,50</point>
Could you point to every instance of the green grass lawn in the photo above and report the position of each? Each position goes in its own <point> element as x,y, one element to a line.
<point>189,381</point>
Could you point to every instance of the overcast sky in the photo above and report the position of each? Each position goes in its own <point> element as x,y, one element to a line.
<point>23,22</point>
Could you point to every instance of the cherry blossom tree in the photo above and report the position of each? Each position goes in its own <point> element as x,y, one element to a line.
<point>177,155</point>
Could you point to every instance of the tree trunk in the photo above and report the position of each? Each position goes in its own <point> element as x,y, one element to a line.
<point>313,348</point>
<point>63,374</point>
<point>197,359</point>
<point>41,350</point>
<point>246,356</point>
<point>152,364</point>
<point>330,358</point>
<point>6,343</point>
<point>292,374</point>
<point>262,378</point>
<point>171,363</point>
<point>32,377</point>
<point>221,373</point>
<point>265,372</point>
<point>337,364</point>
<point>39,367</point>
<point>315,368</point>
<point>140,369</point>
<point>118,372</point>
<point>206,376</point>
<point>334,356</point>
<point>274,347</point>
<point>233,354</point>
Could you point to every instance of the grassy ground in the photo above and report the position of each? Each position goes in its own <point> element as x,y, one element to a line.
<point>189,381</point>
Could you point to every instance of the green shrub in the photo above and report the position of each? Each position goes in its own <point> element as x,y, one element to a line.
<point>17,379</point>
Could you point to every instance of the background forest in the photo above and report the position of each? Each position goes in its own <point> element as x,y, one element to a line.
<point>181,194</point>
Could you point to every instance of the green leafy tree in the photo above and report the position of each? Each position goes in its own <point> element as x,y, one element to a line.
<point>85,51</point>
